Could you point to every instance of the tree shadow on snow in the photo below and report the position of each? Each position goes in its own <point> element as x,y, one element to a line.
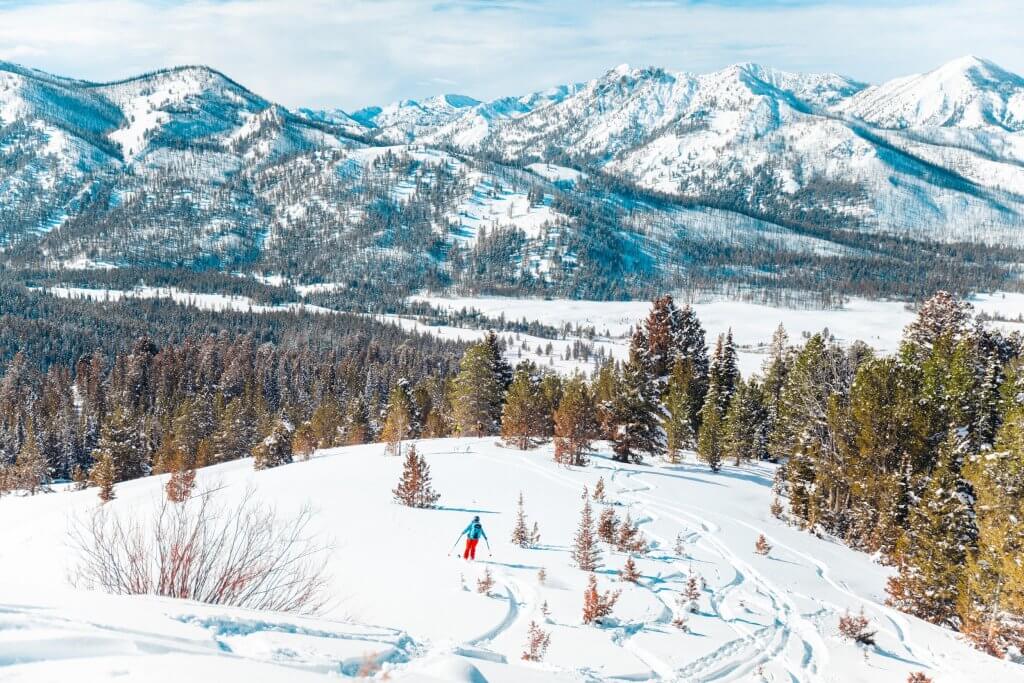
<point>445,508</point>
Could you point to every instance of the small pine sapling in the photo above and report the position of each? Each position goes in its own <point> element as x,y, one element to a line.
<point>520,532</point>
<point>680,546</point>
<point>103,476</point>
<point>542,576</point>
<point>535,536</point>
<point>585,553</point>
<point>537,641</point>
<point>607,525</point>
<point>414,489</point>
<point>486,582</point>
<point>545,610</point>
<point>918,677</point>
<point>762,546</point>
<point>630,540</point>
<point>629,572</point>
<point>692,593</point>
<point>599,490</point>
<point>776,508</point>
<point>855,628</point>
<point>680,621</point>
<point>596,605</point>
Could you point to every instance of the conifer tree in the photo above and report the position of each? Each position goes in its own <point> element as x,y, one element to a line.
<point>304,440</point>
<point>940,537</point>
<point>104,476</point>
<point>744,428</point>
<point>182,480</point>
<point>31,468</point>
<point>599,490</point>
<point>606,389</point>
<point>119,443</point>
<point>574,423</point>
<point>629,572</point>
<point>692,592</point>
<point>637,409</point>
<point>356,425</point>
<point>678,420</point>
<point>478,390</point>
<point>414,488</point>
<point>398,421</point>
<point>326,424</point>
<point>521,535</point>
<point>722,378</point>
<point>991,603</point>
<point>521,420</point>
<point>608,525</point>
<point>276,449</point>
<point>585,553</point>
<point>597,605</point>
<point>628,538</point>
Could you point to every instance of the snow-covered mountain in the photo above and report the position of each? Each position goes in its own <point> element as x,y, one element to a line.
<point>639,178</point>
<point>969,92</point>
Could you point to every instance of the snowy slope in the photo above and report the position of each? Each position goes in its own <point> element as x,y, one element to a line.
<point>402,602</point>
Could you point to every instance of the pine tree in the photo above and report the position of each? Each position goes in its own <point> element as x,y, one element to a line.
<point>520,532</point>
<point>596,605</point>
<point>31,468</point>
<point>637,409</point>
<point>119,443</point>
<point>356,424</point>
<point>722,379</point>
<point>574,423</point>
<point>606,389</point>
<point>182,480</point>
<point>104,476</point>
<point>991,602</point>
<point>599,490</point>
<point>414,488</point>
<point>585,553</point>
<point>608,525</point>
<point>692,592</point>
<point>478,390</point>
<point>744,428</point>
<point>304,440</point>
<point>486,582</point>
<point>678,421</point>
<point>521,418</point>
<point>940,537</point>
<point>629,572</point>
<point>398,421</point>
<point>629,539</point>
<point>762,546</point>
<point>537,642</point>
<point>276,449</point>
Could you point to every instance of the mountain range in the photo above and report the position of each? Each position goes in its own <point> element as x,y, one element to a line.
<point>748,178</point>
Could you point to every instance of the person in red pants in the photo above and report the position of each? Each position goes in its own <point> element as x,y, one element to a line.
<point>473,533</point>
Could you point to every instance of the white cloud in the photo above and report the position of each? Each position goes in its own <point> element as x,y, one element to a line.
<point>357,52</point>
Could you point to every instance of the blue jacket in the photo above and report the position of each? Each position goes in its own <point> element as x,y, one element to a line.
<point>474,531</point>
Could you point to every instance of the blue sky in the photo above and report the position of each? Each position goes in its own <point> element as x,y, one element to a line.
<point>351,53</point>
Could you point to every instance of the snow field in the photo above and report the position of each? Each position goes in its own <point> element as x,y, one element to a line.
<point>402,601</point>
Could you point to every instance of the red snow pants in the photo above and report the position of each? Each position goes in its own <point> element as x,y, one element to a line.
<point>470,553</point>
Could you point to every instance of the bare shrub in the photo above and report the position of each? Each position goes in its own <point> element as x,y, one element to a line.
<point>918,677</point>
<point>855,628</point>
<point>242,554</point>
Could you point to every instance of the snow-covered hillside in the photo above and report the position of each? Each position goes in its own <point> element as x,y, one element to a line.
<point>403,602</point>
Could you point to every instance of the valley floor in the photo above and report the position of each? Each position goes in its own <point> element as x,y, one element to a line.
<point>405,608</point>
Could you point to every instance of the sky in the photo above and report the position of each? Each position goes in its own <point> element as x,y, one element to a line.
<point>354,53</point>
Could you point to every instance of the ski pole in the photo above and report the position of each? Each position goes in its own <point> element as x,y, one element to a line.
<point>455,545</point>
<point>488,546</point>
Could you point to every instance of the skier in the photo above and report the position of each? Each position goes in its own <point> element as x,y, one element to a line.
<point>473,532</point>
